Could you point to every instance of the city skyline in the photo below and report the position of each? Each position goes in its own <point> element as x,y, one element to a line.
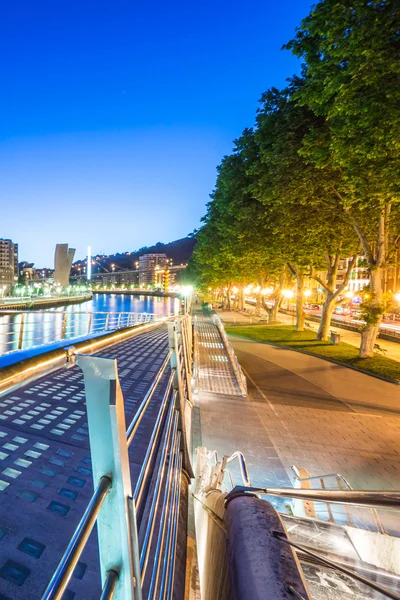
<point>114,126</point>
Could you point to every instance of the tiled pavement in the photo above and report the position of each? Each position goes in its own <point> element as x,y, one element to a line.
<point>45,468</point>
<point>291,417</point>
<point>312,428</point>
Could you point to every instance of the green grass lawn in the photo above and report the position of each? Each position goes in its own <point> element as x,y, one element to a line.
<point>286,335</point>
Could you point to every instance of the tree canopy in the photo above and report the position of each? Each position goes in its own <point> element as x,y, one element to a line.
<point>316,179</point>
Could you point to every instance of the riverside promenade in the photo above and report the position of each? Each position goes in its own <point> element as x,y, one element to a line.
<point>40,302</point>
<point>321,416</point>
<point>223,419</point>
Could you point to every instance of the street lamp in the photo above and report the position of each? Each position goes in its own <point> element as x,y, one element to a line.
<point>288,294</point>
<point>186,292</point>
<point>267,291</point>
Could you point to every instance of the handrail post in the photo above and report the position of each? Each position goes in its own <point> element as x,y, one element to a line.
<point>64,325</point>
<point>183,341</point>
<point>90,322</point>
<point>176,368</point>
<point>21,331</point>
<point>117,533</point>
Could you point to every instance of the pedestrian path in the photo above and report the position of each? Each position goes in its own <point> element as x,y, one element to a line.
<point>45,466</point>
<point>323,417</point>
<point>226,421</point>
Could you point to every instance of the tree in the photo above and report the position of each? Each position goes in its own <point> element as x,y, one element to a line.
<point>235,245</point>
<point>313,232</point>
<point>351,54</point>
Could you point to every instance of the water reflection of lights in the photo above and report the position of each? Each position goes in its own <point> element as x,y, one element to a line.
<point>41,327</point>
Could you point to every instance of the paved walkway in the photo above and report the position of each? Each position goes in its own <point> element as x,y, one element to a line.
<point>324,418</point>
<point>45,467</point>
<point>308,412</point>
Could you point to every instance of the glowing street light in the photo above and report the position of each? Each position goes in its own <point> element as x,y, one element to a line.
<point>397,296</point>
<point>287,294</point>
<point>267,291</point>
<point>186,292</point>
<point>307,293</point>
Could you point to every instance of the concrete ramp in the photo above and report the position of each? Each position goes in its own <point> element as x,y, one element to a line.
<point>218,371</point>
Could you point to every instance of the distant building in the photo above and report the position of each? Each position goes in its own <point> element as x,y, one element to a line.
<point>151,269</point>
<point>63,258</point>
<point>117,278</point>
<point>28,273</point>
<point>8,265</point>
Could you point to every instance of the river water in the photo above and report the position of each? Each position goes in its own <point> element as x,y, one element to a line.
<point>45,326</point>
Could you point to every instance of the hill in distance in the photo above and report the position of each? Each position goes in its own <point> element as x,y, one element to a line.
<point>179,250</point>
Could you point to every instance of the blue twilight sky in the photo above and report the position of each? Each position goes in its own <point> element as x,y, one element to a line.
<point>114,115</point>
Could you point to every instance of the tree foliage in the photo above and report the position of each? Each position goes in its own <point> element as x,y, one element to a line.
<point>317,178</point>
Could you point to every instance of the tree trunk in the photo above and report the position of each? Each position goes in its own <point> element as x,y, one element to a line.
<point>273,315</point>
<point>272,311</point>
<point>241,298</point>
<point>228,299</point>
<point>371,329</point>
<point>300,316</point>
<point>327,310</point>
<point>258,303</point>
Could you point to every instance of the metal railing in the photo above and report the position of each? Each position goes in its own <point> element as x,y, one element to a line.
<point>340,480</point>
<point>363,572</point>
<point>20,330</point>
<point>42,299</point>
<point>359,498</point>
<point>220,469</point>
<point>133,569</point>
<point>338,567</point>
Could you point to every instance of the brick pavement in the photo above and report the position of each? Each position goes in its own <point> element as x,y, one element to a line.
<point>317,430</point>
<point>45,467</point>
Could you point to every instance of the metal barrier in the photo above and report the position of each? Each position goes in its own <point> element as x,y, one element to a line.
<point>27,329</point>
<point>341,481</point>
<point>349,497</point>
<point>220,469</point>
<point>127,566</point>
<point>31,300</point>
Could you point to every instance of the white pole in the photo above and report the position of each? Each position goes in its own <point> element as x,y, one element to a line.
<point>89,264</point>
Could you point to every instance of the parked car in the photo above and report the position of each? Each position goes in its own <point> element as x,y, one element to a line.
<point>315,307</point>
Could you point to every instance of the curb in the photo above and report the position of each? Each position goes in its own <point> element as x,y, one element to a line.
<point>331,360</point>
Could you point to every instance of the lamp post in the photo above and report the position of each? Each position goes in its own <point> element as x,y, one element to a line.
<point>288,294</point>
<point>187,295</point>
